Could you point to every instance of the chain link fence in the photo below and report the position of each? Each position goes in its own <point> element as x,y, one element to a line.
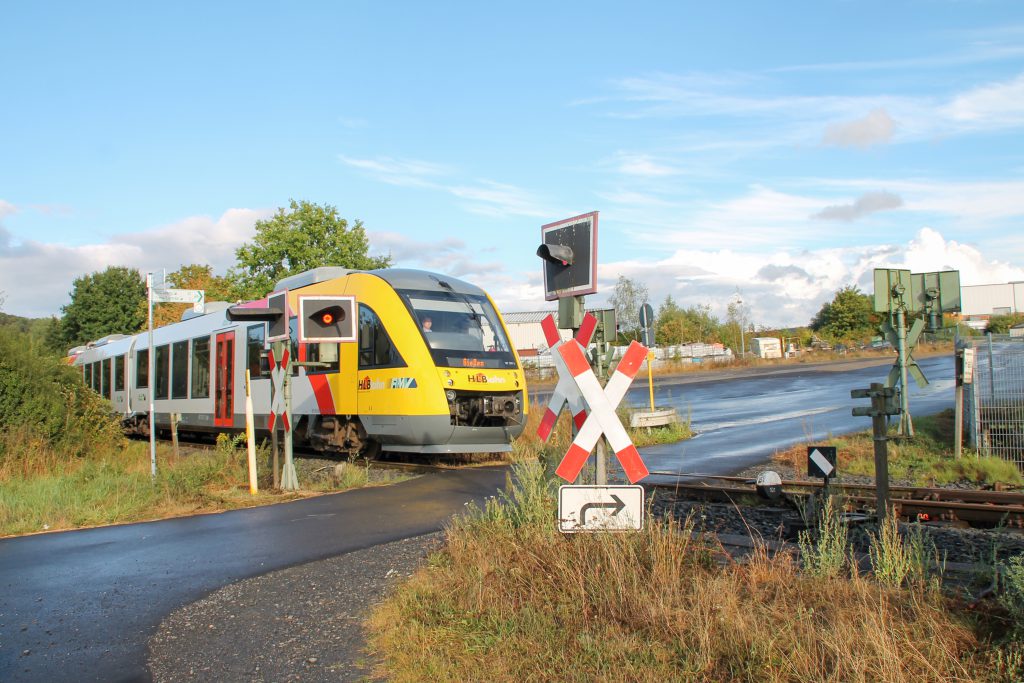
<point>994,400</point>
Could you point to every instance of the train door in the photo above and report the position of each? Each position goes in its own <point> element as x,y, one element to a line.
<point>224,380</point>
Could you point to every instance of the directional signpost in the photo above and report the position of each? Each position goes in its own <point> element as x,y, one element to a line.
<point>600,508</point>
<point>157,295</point>
<point>196,297</point>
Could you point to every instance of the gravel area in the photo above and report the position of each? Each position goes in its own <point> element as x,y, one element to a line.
<point>298,624</point>
<point>778,521</point>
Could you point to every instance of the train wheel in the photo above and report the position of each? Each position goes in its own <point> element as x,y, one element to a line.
<point>371,449</point>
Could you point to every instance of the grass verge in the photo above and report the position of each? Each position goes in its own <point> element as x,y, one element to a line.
<point>926,460</point>
<point>113,485</point>
<point>511,599</point>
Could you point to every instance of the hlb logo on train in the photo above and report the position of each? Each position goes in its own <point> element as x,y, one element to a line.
<point>365,384</point>
<point>481,378</point>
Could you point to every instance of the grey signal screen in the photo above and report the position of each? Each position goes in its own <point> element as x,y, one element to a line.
<point>579,234</point>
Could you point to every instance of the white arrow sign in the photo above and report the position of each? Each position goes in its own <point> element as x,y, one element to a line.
<point>600,508</point>
<point>196,297</point>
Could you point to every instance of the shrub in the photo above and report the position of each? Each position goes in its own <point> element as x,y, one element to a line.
<point>45,409</point>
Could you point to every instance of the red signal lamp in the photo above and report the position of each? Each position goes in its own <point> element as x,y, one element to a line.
<point>327,318</point>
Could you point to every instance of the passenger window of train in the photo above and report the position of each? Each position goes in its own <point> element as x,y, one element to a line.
<point>96,376</point>
<point>201,367</point>
<point>105,379</point>
<point>375,347</point>
<point>162,370</point>
<point>179,369</point>
<point>119,373</point>
<point>87,374</point>
<point>142,369</point>
<point>322,353</point>
<point>255,344</point>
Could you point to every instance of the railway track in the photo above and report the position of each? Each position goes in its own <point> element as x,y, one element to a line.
<point>974,507</point>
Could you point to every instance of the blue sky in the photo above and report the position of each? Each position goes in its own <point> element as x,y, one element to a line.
<point>778,150</point>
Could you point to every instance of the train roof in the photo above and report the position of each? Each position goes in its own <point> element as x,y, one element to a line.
<point>407,278</point>
<point>399,278</point>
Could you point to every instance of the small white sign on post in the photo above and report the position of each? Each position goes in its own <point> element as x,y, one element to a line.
<point>968,373</point>
<point>196,297</point>
<point>600,508</point>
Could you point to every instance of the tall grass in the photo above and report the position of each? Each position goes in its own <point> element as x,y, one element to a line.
<point>926,460</point>
<point>511,599</point>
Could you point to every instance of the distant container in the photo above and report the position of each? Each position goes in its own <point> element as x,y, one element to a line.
<point>766,347</point>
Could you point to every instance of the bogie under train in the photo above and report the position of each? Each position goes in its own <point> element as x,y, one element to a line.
<point>432,370</point>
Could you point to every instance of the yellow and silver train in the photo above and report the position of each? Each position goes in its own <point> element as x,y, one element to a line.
<point>432,370</point>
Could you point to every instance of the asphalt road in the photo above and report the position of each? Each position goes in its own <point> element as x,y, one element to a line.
<point>81,605</point>
<point>743,417</point>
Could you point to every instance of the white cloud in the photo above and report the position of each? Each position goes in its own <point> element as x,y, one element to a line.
<point>644,166</point>
<point>403,172</point>
<point>991,105</point>
<point>875,128</point>
<point>787,287</point>
<point>867,203</point>
<point>447,255</point>
<point>484,197</point>
<point>771,120</point>
<point>7,209</point>
<point>37,277</point>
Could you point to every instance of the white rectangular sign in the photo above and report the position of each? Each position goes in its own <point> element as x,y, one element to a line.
<point>600,508</point>
<point>968,376</point>
<point>178,296</point>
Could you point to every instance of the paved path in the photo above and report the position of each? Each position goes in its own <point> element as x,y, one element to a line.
<point>81,605</point>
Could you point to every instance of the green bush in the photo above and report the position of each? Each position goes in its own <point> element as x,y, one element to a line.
<point>1012,597</point>
<point>42,399</point>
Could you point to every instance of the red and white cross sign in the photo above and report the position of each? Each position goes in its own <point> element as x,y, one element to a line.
<point>602,418</point>
<point>277,375</point>
<point>566,390</point>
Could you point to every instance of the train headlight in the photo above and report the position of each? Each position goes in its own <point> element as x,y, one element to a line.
<point>451,382</point>
<point>450,395</point>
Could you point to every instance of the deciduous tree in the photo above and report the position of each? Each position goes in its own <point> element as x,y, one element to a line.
<point>627,299</point>
<point>102,303</point>
<point>1001,324</point>
<point>680,326</point>
<point>848,316</point>
<point>300,238</point>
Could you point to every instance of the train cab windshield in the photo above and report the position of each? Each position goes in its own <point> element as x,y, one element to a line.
<point>461,330</point>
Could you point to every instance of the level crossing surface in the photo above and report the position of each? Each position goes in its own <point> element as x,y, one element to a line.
<point>81,605</point>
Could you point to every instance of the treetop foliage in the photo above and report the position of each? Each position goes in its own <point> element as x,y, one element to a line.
<point>849,316</point>
<point>1001,324</point>
<point>677,325</point>
<point>627,299</point>
<point>303,237</point>
<point>108,302</point>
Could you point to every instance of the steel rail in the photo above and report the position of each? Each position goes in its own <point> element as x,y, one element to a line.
<point>999,508</point>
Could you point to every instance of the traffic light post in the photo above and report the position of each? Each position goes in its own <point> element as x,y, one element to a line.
<point>569,251</point>
<point>323,320</point>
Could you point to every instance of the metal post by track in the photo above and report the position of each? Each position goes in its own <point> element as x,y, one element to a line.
<point>885,401</point>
